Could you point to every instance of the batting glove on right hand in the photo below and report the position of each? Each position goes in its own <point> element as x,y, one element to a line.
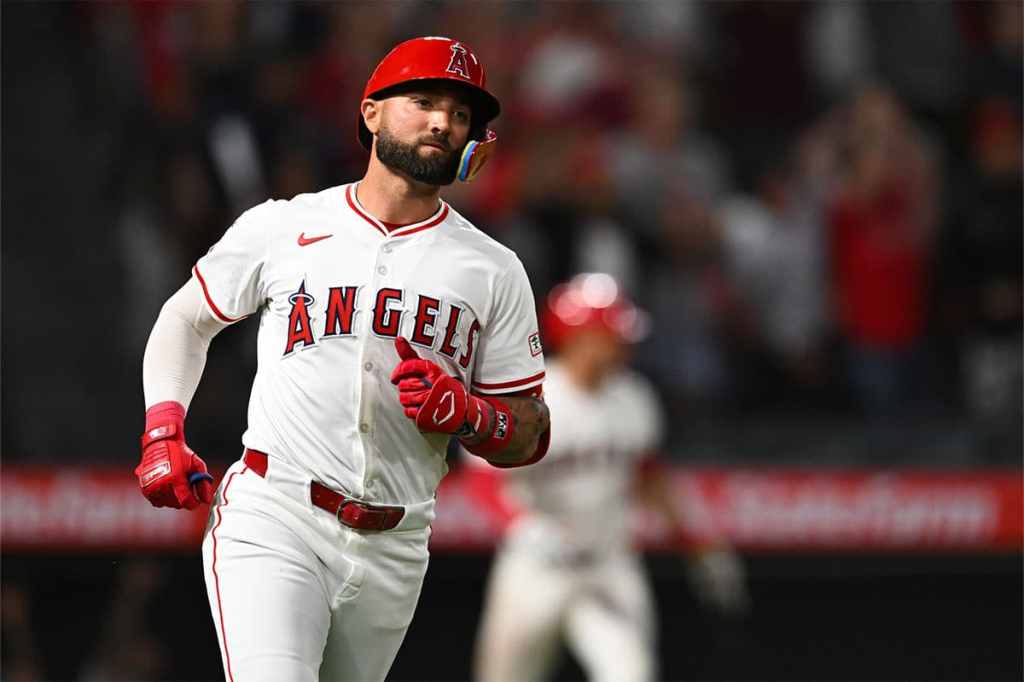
<point>170,474</point>
<point>435,400</point>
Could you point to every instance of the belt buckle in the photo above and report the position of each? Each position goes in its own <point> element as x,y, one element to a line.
<point>341,509</point>
<point>362,507</point>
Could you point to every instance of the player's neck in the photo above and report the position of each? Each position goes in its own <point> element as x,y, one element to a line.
<point>393,198</point>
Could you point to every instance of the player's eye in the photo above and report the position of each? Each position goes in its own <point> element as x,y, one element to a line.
<point>462,115</point>
<point>422,102</point>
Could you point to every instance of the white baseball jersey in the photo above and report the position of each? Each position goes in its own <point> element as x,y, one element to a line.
<point>577,497</point>
<point>333,289</point>
<point>569,545</point>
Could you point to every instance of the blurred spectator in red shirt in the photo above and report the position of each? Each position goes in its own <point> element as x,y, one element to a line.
<point>881,222</point>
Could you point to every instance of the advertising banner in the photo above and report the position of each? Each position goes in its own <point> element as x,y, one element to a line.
<point>771,510</point>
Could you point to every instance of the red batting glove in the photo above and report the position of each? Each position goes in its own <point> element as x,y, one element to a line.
<point>435,400</point>
<point>170,474</point>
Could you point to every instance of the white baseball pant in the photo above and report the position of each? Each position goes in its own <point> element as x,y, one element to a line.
<point>602,611</point>
<point>297,596</point>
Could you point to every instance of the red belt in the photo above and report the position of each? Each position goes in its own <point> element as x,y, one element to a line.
<point>352,513</point>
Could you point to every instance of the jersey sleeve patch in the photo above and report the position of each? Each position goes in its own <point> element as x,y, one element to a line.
<point>535,346</point>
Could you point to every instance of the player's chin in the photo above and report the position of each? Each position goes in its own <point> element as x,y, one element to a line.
<point>434,152</point>
<point>435,170</point>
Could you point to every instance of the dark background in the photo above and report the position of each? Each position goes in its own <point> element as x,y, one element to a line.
<point>838,617</point>
<point>818,203</point>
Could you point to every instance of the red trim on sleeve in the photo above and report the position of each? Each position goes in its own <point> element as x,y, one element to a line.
<point>532,392</point>
<point>509,384</point>
<point>206,293</point>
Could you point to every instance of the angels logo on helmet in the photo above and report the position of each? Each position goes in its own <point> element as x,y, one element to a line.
<point>458,61</point>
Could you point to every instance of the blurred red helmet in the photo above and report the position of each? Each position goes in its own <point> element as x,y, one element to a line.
<point>435,58</point>
<point>591,301</point>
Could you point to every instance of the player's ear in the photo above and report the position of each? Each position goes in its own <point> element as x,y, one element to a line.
<point>370,109</point>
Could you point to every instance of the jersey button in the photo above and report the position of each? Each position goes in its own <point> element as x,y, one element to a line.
<point>364,427</point>
<point>387,249</point>
<point>382,270</point>
<point>368,366</point>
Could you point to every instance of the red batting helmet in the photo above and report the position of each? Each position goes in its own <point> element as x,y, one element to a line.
<point>435,58</point>
<point>591,301</point>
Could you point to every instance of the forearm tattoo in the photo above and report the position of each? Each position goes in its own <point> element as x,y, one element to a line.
<point>531,420</point>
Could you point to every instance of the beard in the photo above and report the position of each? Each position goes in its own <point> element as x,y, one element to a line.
<point>438,169</point>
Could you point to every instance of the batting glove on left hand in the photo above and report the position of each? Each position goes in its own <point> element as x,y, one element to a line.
<point>170,474</point>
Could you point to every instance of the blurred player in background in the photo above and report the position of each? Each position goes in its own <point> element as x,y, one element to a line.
<point>567,570</point>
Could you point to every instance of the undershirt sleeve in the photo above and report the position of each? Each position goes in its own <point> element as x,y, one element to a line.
<point>176,351</point>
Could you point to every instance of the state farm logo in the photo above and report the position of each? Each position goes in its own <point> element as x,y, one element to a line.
<point>878,511</point>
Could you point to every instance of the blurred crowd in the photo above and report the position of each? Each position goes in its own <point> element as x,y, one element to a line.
<point>818,203</point>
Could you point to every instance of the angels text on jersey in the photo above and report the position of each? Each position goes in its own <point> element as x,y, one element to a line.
<point>438,324</point>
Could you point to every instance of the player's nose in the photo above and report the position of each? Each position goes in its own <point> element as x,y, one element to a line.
<point>440,121</point>
<point>439,129</point>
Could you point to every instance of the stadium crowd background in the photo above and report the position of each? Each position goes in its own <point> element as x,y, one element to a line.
<point>819,205</point>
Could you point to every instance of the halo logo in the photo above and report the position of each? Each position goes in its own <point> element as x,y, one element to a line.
<point>458,64</point>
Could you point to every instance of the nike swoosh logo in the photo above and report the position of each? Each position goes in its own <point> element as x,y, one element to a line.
<point>306,241</point>
<point>450,398</point>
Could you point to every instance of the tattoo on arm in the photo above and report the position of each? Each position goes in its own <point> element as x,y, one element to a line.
<point>531,421</point>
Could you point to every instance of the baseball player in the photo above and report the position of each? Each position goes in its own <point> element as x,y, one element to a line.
<point>569,540</point>
<point>388,324</point>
